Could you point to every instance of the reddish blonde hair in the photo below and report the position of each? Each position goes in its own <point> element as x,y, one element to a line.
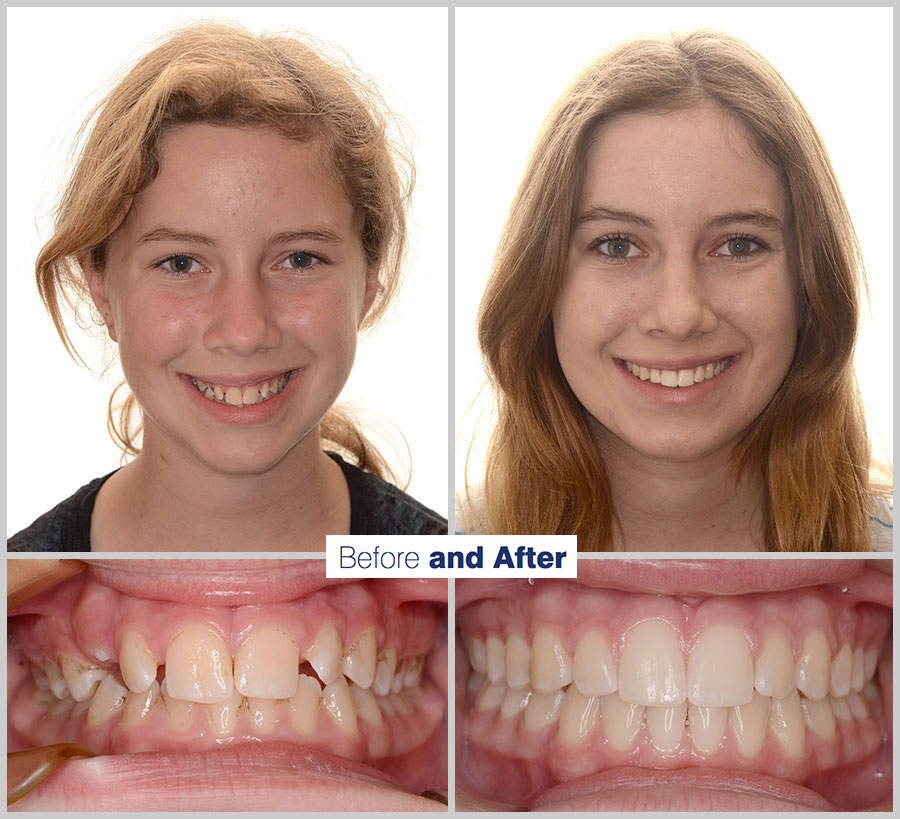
<point>225,75</point>
<point>809,445</point>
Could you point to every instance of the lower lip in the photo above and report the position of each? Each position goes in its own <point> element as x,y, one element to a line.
<point>266,776</point>
<point>691,789</point>
<point>253,414</point>
<point>677,396</point>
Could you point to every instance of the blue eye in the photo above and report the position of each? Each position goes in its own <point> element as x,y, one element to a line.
<point>739,247</point>
<point>616,248</point>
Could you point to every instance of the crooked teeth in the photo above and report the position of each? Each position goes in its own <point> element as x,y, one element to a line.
<point>237,397</point>
<point>137,663</point>
<point>81,679</point>
<point>360,661</point>
<point>678,378</point>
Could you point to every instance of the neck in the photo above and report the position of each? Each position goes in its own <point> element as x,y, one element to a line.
<point>694,506</point>
<point>166,500</point>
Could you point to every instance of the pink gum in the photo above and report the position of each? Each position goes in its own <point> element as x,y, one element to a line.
<point>572,610</point>
<point>85,617</point>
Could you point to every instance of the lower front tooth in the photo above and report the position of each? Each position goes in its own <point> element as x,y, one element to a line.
<point>490,695</point>
<point>304,705</point>
<point>748,723</point>
<point>338,702</point>
<point>666,725</point>
<point>262,714</point>
<point>857,704</point>
<point>366,707</point>
<point>787,723</point>
<point>622,721</point>
<point>840,708</point>
<point>578,717</point>
<point>543,709</point>
<point>707,727</point>
<point>819,717</point>
<point>82,679</point>
<point>139,704</point>
<point>514,701</point>
<point>110,697</point>
<point>223,716</point>
<point>180,712</point>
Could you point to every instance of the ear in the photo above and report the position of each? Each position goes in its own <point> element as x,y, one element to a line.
<point>97,285</point>
<point>372,282</point>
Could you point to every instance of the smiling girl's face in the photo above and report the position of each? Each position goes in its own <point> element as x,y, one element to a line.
<point>235,289</point>
<point>677,320</point>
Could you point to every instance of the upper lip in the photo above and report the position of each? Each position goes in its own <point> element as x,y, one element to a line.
<point>683,363</point>
<point>704,577</point>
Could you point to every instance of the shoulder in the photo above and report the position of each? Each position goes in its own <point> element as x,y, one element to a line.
<point>380,508</point>
<point>65,528</point>
<point>881,524</point>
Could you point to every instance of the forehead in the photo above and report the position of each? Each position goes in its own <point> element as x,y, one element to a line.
<point>689,163</point>
<point>213,172</point>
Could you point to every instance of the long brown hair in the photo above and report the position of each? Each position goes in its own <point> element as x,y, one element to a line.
<point>225,75</point>
<point>809,445</point>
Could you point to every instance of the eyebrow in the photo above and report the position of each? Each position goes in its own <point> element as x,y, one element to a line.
<point>163,233</point>
<point>599,213</point>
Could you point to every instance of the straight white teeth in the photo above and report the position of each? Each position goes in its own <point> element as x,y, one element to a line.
<point>678,378</point>
<point>716,693</point>
<point>241,397</point>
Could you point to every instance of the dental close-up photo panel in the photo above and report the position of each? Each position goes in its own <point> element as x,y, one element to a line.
<point>673,238</point>
<point>675,685</point>
<point>219,206</point>
<point>243,685</point>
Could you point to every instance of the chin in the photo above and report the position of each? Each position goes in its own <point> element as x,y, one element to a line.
<point>231,685</point>
<point>679,685</point>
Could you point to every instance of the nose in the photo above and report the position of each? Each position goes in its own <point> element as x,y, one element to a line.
<point>679,306</point>
<point>242,317</point>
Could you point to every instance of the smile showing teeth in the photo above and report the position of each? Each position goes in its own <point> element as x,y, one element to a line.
<point>678,378</point>
<point>242,396</point>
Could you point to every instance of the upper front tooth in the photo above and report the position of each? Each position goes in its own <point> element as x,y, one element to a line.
<point>137,663</point>
<point>841,669</point>
<point>699,374</point>
<point>60,690</point>
<point>655,376</point>
<point>551,666</point>
<point>685,378</point>
<point>361,658</point>
<point>871,661</point>
<point>110,697</point>
<point>651,668</point>
<point>669,378</point>
<point>813,670</point>
<point>81,678</point>
<point>234,396</point>
<point>594,670</point>
<point>518,658</point>
<point>250,395</point>
<point>266,663</point>
<point>720,668</point>
<point>858,671</point>
<point>477,654</point>
<point>324,655</point>
<point>709,370</point>
<point>496,658</point>
<point>775,666</point>
<point>384,672</point>
<point>198,665</point>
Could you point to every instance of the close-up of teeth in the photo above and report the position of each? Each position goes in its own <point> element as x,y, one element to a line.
<point>242,396</point>
<point>577,686</point>
<point>678,378</point>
